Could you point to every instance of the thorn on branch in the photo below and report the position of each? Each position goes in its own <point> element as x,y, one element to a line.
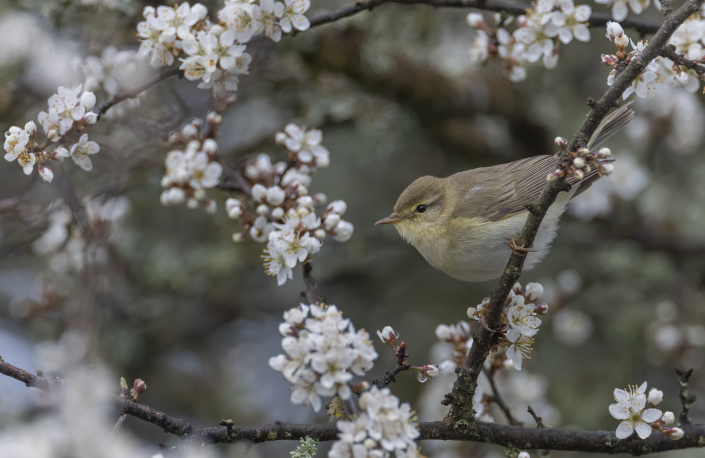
<point>537,419</point>
<point>687,399</point>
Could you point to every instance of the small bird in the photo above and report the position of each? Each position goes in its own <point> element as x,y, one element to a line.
<point>466,224</point>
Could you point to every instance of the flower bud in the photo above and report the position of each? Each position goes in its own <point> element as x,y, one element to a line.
<point>614,30</point>
<point>90,118</point>
<point>606,169</point>
<point>579,162</point>
<point>655,396</point>
<point>431,370</point>
<point>443,333</point>
<point>123,384</point>
<point>212,117</point>
<point>608,59</point>
<point>191,204</point>
<point>337,206</point>
<point>319,198</point>
<point>553,176</point>
<point>258,192</point>
<point>541,309</point>
<point>210,146</point>
<point>138,388</point>
<point>331,220</point>
<point>578,174</point>
<point>471,312</point>
<point>286,330</point>
<point>278,213</point>
<point>238,237</point>
<point>31,128</point>
<point>622,41</point>
<point>46,173</point>
<point>681,78</point>
<point>668,418</point>
<point>561,143</point>
<point>583,151</point>
<point>675,433</point>
<point>320,234</point>
<point>87,100</point>
<point>210,205</point>
<point>262,210</point>
<point>388,336</point>
<point>370,443</point>
<point>603,153</point>
<point>343,231</point>
<point>305,201</point>
<point>280,138</point>
<point>523,455</point>
<point>533,291</point>
<point>189,130</point>
<point>53,135</point>
<point>476,20</point>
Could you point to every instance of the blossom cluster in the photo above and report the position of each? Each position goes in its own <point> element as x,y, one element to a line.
<point>383,427</point>
<point>631,409</point>
<point>284,215</point>
<point>215,53</point>
<point>322,352</point>
<point>578,164</point>
<point>520,316</point>
<point>67,112</point>
<point>536,36</point>
<point>192,169</point>
<point>661,69</point>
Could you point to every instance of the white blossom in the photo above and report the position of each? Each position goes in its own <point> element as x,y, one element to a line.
<point>630,409</point>
<point>293,15</point>
<point>81,150</point>
<point>322,352</point>
<point>620,8</point>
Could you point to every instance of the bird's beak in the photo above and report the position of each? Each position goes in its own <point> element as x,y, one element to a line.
<point>391,219</point>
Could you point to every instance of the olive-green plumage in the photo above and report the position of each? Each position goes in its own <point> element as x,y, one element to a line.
<point>461,224</point>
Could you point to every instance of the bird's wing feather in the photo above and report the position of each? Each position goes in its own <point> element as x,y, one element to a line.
<point>522,181</point>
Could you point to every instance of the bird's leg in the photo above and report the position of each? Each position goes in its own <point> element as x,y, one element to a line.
<point>518,250</point>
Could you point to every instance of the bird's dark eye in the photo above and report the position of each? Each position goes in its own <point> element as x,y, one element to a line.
<point>421,208</point>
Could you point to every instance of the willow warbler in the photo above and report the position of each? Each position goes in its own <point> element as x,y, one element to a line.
<point>462,224</point>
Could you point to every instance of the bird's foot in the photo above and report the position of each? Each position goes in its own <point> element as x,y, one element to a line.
<point>518,250</point>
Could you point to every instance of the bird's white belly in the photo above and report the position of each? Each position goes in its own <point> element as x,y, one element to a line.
<point>485,254</point>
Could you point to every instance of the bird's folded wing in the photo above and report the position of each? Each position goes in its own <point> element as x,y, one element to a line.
<point>523,180</point>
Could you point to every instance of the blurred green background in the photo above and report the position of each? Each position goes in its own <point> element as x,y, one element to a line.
<point>178,304</point>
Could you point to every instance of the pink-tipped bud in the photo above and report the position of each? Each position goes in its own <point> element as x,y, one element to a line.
<point>675,433</point>
<point>431,370</point>
<point>579,162</point>
<point>517,288</point>
<point>476,20</point>
<point>608,59</point>
<point>541,309</point>
<point>583,151</point>
<point>553,176</point>
<point>606,169</point>
<point>604,153</point>
<point>138,388</point>
<point>578,174</point>
<point>388,336</point>
<point>561,143</point>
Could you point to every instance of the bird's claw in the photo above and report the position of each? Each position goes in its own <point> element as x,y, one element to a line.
<point>518,250</point>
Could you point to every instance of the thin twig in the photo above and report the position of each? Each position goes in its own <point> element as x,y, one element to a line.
<point>687,399</point>
<point>515,9</point>
<point>537,419</point>
<point>669,52</point>
<point>310,282</point>
<point>497,398</point>
<point>131,94</point>
<point>402,365</point>
<point>120,419</point>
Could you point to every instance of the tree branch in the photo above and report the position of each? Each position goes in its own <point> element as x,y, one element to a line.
<point>131,94</point>
<point>669,52</point>
<point>460,399</point>
<point>523,438</point>
<point>515,9</point>
<point>390,376</point>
